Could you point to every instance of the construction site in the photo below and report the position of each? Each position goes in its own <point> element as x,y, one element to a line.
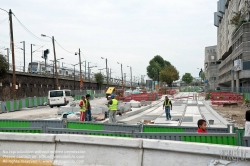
<point>140,117</point>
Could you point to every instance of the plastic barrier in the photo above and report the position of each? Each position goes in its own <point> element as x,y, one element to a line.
<point>21,130</point>
<point>158,128</point>
<point>211,138</point>
<point>87,132</point>
<point>19,123</point>
<point>103,126</point>
<point>222,138</point>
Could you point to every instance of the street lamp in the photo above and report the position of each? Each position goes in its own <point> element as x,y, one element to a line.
<point>121,73</point>
<point>101,69</point>
<point>130,77</point>
<point>106,60</point>
<point>54,64</point>
<point>80,64</point>
<point>74,76</point>
<point>200,73</point>
<point>23,55</point>
<point>53,42</point>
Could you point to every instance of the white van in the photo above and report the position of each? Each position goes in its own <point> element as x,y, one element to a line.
<point>59,97</point>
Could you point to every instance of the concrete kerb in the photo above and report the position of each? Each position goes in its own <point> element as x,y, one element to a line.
<point>138,151</point>
<point>200,148</point>
<point>100,140</point>
<point>221,119</point>
<point>27,137</point>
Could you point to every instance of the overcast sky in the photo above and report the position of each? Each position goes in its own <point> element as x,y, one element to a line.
<point>127,31</point>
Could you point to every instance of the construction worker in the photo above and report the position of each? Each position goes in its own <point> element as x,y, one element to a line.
<point>82,106</point>
<point>168,105</point>
<point>88,109</point>
<point>113,105</point>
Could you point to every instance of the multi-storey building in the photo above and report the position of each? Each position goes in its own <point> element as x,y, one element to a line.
<point>211,67</point>
<point>233,41</point>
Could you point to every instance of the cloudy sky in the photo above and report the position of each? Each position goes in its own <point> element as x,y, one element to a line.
<point>127,31</point>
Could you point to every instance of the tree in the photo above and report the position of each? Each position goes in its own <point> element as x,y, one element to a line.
<point>187,78</point>
<point>99,79</point>
<point>3,67</point>
<point>203,76</point>
<point>169,74</point>
<point>155,66</point>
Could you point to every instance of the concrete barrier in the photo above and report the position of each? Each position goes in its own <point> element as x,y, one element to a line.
<point>32,149</point>
<point>66,149</point>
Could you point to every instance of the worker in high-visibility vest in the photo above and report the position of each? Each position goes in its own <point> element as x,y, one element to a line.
<point>113,105</point>
<point>88,116</point>
<point>168,105</point>
<point>82,106</point>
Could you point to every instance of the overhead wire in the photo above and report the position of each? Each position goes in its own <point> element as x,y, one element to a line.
<point>24,27</point>
<point>64,48</point>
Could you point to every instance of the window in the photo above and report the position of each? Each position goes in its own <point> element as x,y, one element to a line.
<point>246,65</point>
<point>60,71</point>
<point>67,73</point>
<point>56,93</point>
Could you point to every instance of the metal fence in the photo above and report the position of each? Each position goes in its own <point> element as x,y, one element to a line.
<point>17,105</point>
<point>29,102</point>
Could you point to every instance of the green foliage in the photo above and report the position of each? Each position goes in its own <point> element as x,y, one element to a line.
<point>99,79</point>
<point>169,74</point>
<point>196,84</point>
<point>187,78</point>
<point>235,20</point>
<point>3,67</point>
<point>203,76</point>
<point>155,66</point>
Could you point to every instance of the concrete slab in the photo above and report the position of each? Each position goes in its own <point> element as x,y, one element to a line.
<point>164,121</point>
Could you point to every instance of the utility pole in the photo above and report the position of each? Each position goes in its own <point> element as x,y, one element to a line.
<point>85,69</point>
<point>80,63</point>
<point>107,72</point>
<point>88,74</point>
<point>110,73</point>
<point>131,77</point>
<point>23,55</point>
<point>74,78</point>
<point>31,59</point>
<point>13,54</point>
<point>122,76</point>
<point>53,41</point>
<point>125,79</point>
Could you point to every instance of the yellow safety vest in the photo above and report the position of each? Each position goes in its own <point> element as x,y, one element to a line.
<point>86,103</point>
<point>168,103</point>
<point>83,107</point>
<point>113,106</point>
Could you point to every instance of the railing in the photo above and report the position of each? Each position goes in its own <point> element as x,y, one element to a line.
<point>228,136</point>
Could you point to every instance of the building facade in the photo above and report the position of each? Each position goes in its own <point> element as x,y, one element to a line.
<point>233,41</point>
<point>211,68</point>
